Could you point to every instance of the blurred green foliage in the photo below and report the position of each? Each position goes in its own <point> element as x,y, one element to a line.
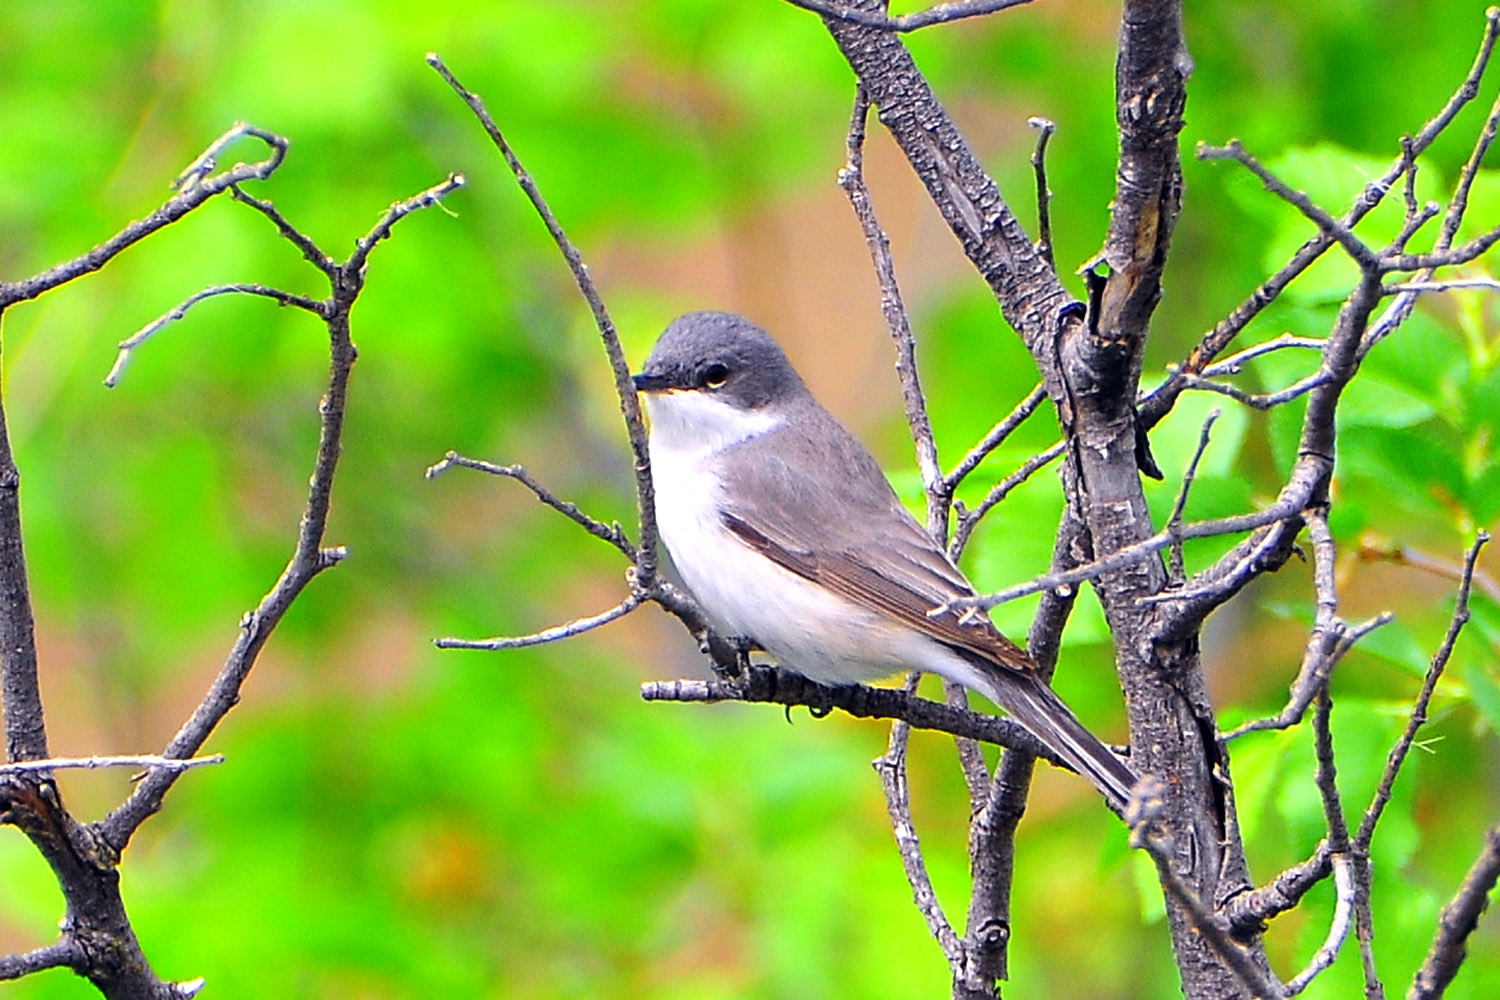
<point>397,823</point>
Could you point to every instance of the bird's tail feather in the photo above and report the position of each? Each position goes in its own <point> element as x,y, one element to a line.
<point>1033,704</point>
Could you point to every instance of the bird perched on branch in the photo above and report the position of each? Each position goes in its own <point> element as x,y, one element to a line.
<point>789,535</point>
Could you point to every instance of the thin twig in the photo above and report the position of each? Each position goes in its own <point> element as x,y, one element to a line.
<point>148,761</point>
<point>1320,217</point>
<point>1427,287</point>
<point>1175,558</point>
<point>630,406</point>
<point>1330,639</point>
<point>195,186</point>
<point>145,333</point>
<point>852,180</point>
<point>892,770</point>
<point>996,436</point>
<point>1459,920</point>
<point>1247,913</point>
<point>1279,511</point>
<point>1338,929</point>
<point>1405,555</point>
<point>309,556</point>
<point>567,630</point>
<point>611,533</point>
<point>1258,401</point>
<point>1418,716</point>
<point>1161,399</point>
<point>1045,127</point>
<point>969,520</point>
<point>1235,363</point>
<point>941,13</point>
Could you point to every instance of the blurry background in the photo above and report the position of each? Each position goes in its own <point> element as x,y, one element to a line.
<point>398,822</point>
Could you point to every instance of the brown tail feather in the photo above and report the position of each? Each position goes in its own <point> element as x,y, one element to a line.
<point>1035,706</point>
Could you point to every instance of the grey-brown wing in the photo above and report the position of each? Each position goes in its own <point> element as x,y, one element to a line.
<point>813,500</point>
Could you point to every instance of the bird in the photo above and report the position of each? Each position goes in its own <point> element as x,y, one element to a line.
<point>786,531</point>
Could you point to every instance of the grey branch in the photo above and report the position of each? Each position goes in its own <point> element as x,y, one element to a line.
<point>630,406</point>
<point>1161,399</point>
<point>62,954</point>
<point>1147,834</point>
<point>147,761</point>
<point>1338,928</point>
<point>938,14</point>
<point>892,770</point>
<point>762,683</point>
<point>565,631</point>
<point>997,436</point>
<point>1418,716</point>
<point>969,520</point>
<point>611,533</point>
<point>145,333</point>
<point>309,556</point>
<point>1045,127</point>
<point>1247,913</point>
<point>196,185</point>
<point>1458,920</point>
<point>1174,522</point>
<point>892,306</point>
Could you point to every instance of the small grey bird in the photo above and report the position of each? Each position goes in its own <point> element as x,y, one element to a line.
<point>788,534</point>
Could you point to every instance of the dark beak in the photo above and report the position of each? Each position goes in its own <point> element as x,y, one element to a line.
<point>646,382</point>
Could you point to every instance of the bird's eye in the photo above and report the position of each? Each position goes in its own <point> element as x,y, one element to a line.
<point>714,376</point>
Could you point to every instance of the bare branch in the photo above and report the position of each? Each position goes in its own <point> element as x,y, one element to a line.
<point>630,406</point>
<point>147,761</point>
<point>398,211</point>
<point>1161,399</point>
<point>1459,919</point>
<point>1330,639</point>
<point>1147,834</point>
<point>145,333</point>
<point>62,954</point>
<point>969,520</point>
<point>763,683</point>
<point>1259,401</point>
<point>1247,913</point>
<point>195,186</point>
<point>1174,522</point>
<point>567,630</point>
<point>611,533</point>
<point>1338,929</point>
<point>1418,717</point>
<point>1045,127</point>
<point>1429,287</point>
<point>1234,364</point>
<point>892,770</point>
<point>997,435</point>
<point>941,13</point>
<point>1281,510</point>
<point>1405,555</point>
<point>852,180</point>
<point>1352,244</point>
<point>309,557</point>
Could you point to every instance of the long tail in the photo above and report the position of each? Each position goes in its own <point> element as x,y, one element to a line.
<point>1035,706</point>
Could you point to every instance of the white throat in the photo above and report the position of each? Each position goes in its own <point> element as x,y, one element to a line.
<point>693,423</point>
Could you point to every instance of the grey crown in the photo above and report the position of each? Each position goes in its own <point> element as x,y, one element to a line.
<point>724,353</point>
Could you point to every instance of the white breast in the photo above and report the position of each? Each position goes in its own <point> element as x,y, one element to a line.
<point>804,626</point>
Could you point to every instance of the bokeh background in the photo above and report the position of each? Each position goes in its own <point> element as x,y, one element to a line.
<point>397,822</point>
